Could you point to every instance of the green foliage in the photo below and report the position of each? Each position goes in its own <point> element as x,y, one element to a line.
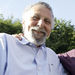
<point>62,37</point>
<point>10,27</point>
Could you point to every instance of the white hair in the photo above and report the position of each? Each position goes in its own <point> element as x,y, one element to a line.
<point>39,3</point>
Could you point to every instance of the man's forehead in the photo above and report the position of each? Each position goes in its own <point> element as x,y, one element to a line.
<point>40,10</point>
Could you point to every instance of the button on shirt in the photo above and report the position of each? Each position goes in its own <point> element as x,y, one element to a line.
<point>24,58</point>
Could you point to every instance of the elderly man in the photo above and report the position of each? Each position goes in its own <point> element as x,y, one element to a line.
<point>30,56</point>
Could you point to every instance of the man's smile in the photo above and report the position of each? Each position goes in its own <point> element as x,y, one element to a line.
<point>38,34</point>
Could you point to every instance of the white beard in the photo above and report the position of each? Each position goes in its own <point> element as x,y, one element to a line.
<point>33,36</point>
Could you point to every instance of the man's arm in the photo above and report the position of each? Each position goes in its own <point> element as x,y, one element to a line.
<point>2,53</point>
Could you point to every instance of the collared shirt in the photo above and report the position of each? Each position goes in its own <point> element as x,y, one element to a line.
<point>24,58</point>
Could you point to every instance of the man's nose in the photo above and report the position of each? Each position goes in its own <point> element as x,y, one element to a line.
<point>41,23</point>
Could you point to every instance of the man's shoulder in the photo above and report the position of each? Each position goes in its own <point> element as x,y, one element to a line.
<point>52,57</point>
<point>50,51</point>
<point>51,54</point>
<point>4,35</point>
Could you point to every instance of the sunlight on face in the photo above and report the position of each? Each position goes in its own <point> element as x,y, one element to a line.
<point>37,25</point>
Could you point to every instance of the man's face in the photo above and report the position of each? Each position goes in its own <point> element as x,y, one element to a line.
<point>37,24</point>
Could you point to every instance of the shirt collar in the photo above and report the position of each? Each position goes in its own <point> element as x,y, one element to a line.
<point>24,41</point>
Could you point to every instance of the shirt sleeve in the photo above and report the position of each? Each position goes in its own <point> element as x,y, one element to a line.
<point>2,53</point>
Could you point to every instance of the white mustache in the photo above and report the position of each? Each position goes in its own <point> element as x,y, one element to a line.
<point>39,29</point>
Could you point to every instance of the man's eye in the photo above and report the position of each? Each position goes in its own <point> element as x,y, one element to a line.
<point>35,18</point>
<point>47,21</point>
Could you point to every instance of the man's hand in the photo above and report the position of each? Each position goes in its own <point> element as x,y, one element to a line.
<point>18,35</point>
